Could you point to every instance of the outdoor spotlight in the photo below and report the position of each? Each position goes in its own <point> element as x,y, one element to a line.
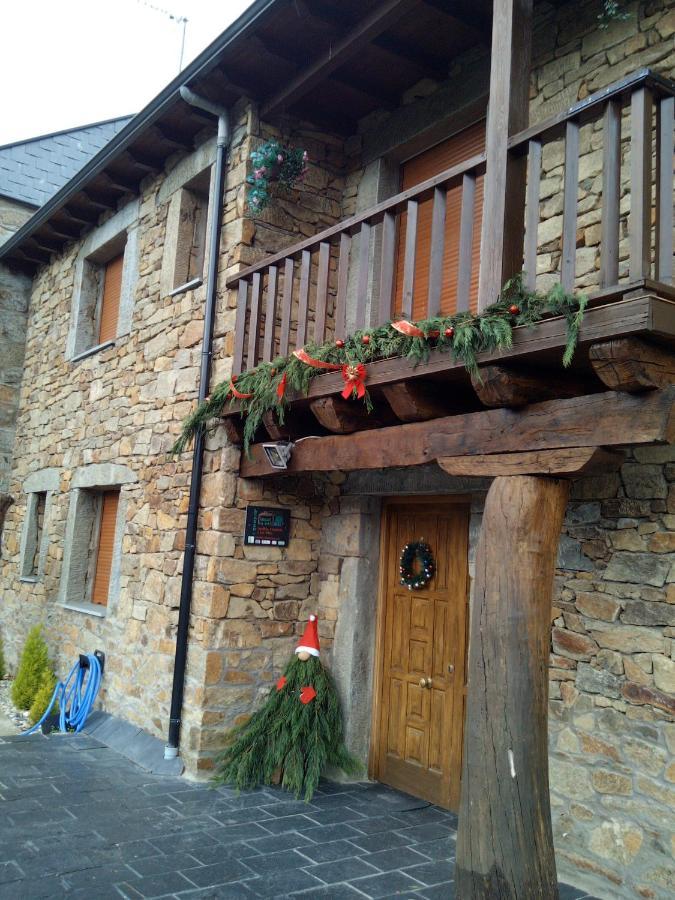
<point>278,453</point>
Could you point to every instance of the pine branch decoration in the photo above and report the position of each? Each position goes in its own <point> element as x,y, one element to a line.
<point>463,334</point>
<point>300,740</point>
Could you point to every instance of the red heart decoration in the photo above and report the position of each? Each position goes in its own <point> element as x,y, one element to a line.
<point>307,694</point>
<point>281,682</point>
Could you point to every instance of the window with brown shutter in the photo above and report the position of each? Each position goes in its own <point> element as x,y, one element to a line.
<point>105,547</point>
<point>110,299</point>
<point>443,156</point>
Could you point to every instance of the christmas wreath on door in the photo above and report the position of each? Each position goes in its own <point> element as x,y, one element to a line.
<point>416,565</point>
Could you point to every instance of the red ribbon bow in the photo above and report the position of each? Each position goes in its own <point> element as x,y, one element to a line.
<point>281,387</point>
<point>354,378</point>
<point>407,328</point>
<point>236,393</point>
<point>307,694</point>
<point>308,360</point>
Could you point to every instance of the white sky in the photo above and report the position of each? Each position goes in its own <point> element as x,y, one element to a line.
<point>71,62</point>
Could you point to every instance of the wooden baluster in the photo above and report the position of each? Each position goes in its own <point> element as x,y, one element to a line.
<point>363,277</point>
<point>466,226</point>
<point>286,306</point>
<point>409,258</point>
<point>270,314</point>
<point>571,189</point>
<point>240,327</point>
<point>254,323</point>
<point>532,213</point>
<point>303,302</point>
<point>640,184</point>
<point>611,194</point>
<point>664,190</point>
<point>436,252</point>
<point>387,266</point>
<point>343,277</point>
<point>321,292</point>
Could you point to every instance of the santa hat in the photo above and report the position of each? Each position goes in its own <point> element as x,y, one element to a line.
<point>309,642</point>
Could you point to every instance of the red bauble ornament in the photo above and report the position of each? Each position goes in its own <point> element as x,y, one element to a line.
<point>514,310</point>
<point>449,332</point>
<point>339,344</point>
<point>365,339</point>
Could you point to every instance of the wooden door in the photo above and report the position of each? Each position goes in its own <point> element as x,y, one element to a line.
<point>418,744</point>
<point>448,153</point>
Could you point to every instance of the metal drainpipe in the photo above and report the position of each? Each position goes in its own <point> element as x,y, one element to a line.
<point>171,748</point>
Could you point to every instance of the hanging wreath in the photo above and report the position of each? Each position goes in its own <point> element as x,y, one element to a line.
<point>273,162</point>
<point>417,565</point>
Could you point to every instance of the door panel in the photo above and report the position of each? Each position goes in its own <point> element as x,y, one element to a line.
<point>424,637</point>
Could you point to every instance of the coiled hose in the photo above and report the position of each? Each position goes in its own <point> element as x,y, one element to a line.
<point>76,696</point>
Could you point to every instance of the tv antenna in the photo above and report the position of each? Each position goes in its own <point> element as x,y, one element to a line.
<point>179,20</point>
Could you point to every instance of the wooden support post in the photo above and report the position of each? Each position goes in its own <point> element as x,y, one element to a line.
<point>503,226</point>
<point>505,840</point>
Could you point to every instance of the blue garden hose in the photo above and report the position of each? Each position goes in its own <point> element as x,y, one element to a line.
<point>76,696</point>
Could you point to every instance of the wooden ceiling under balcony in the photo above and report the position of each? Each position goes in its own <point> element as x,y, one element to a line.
<point>326,63</point>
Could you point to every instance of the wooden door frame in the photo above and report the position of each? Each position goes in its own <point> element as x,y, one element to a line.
<point>378,655</point>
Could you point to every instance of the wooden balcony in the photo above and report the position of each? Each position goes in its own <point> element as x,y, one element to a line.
<point>349,273</point>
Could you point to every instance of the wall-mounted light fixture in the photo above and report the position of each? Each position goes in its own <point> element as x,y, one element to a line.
<point>278,453</point>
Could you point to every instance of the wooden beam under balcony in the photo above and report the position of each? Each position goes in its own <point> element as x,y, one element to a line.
<point>609,419</point>
<point>369,27</point>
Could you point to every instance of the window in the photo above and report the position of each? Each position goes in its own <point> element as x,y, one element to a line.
<point>92,548</point>
<point>106,271</point>
<point>109,502</point>
<point>39,488</point>
<point>33,535</point>
<point>191,231</point>
<point>448,153</point>
<point>111,278</point>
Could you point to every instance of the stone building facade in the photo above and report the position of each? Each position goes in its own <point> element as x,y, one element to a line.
<point>87,423</point>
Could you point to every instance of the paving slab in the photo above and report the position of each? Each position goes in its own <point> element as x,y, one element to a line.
<point>80,820</point>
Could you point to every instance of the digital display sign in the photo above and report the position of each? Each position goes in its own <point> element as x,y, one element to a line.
<point>267,526</point>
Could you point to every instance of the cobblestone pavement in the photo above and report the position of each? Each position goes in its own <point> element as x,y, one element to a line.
<point>79,820</point>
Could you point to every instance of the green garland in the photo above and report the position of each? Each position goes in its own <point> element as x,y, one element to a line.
<point>463,334</point>
<point>299,739</point>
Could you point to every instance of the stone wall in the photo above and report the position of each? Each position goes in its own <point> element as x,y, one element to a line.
<point>12,216</point>
<point>612,725</point>
<point>120,407</point>
<point>124,406</point>
<point>14,297</point>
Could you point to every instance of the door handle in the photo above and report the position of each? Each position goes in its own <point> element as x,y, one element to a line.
<point>425,682</point>
<point>451,668</point>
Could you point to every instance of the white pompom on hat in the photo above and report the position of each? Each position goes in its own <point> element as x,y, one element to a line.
<point>309,642</point>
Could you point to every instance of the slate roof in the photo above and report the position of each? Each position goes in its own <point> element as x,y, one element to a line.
<point>32,171</point>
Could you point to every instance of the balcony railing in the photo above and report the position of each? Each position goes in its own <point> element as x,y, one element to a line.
<point>303,293</point>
